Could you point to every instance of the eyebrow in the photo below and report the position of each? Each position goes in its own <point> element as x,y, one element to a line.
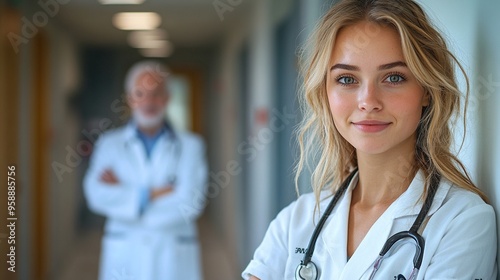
<point>356,68</point>
<point>345,67</point>
<point>391,65</point>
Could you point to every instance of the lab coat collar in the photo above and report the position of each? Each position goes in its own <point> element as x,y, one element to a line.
<point>410,202</point>
<point>130,131</point>
<point>166,141</point>
<point>334,235</point>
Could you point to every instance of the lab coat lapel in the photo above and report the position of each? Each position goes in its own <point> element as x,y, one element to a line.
<point>368,250</point>
<point>159,151</point>
<point>408,204</point>
<point>334,235</point>
<point>164,159</point>
<point>135,150</point>
<point>362,260</point>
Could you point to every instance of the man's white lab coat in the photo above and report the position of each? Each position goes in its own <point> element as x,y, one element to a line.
<point>160,241</point>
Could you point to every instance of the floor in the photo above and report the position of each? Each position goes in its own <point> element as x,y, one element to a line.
<point>83,261</point>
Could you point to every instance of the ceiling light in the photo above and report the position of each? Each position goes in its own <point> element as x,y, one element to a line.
<point>154,44</point>
<point>137,21</point>
<point>138,39</point>
<point>121,2</point>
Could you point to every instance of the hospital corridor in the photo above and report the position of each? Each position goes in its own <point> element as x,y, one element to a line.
<point>194,101</point>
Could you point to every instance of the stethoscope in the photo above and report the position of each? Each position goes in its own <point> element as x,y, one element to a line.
<point>177,150</point>
<point>307,270</point>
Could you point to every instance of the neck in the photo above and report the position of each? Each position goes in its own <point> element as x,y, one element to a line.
<point>150,131</point>
<point>383,178</point>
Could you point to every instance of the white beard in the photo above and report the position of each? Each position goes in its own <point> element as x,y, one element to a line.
<point>147,121</point>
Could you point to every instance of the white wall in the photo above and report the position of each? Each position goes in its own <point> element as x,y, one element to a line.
<point>472,29</point>
<point>261,78</point>
<point>457,20</point>
<point>488,95</point>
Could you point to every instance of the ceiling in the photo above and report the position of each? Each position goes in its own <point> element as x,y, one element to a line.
<point>189,23</point>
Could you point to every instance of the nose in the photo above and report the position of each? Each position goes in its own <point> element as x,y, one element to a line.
<point>369,99</point>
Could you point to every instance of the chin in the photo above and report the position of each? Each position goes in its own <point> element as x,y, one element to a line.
<point>371,148</point>
<point>148,121</point>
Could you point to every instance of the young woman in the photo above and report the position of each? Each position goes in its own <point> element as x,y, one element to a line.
<point>390,199</point>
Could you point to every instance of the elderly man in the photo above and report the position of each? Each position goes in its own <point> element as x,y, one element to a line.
<point>145,179</point>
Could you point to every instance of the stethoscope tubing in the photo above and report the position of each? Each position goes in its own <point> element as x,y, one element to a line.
<point>311,268</point>
<point>338,194</point>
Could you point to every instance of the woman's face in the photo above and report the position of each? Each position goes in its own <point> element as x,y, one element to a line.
<point>375,100</point>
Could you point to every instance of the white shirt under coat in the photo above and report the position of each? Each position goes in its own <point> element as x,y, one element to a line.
<point>460,238</point>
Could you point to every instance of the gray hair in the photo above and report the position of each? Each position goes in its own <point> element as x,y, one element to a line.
<point>142,67</point>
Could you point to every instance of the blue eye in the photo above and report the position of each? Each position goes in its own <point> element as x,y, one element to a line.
<point>346,80</point>
<point>395,79</point>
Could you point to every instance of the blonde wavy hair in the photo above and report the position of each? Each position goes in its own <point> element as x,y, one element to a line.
<point>427,57</point>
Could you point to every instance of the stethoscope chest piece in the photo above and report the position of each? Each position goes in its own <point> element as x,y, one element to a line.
<point>306,272</point>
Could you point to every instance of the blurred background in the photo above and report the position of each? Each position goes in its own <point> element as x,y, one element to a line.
<point>234,81</point>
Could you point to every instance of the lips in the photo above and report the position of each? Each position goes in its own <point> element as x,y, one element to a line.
<point>371,126</point>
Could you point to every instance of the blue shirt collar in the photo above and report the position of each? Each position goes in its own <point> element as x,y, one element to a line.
<point>162,131</point>
<point>149,141</point>
<point>166,128</point>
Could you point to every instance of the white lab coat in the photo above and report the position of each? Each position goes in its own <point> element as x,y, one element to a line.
<point>159,243</point>
<point>460,238</point>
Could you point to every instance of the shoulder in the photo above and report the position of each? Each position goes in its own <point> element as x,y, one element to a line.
<point>304,209</point>
<point>462,208</point>
<point>461,235</point>
<point>291,229</point>
<point>112,136</point>
<point>292,222</point>
<point>462,200</point>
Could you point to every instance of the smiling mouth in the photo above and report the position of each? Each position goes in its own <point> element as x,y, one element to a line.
<point>371,126</point>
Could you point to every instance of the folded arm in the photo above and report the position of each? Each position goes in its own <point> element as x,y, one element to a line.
<point>105,193</point>
<point>186,200</point>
